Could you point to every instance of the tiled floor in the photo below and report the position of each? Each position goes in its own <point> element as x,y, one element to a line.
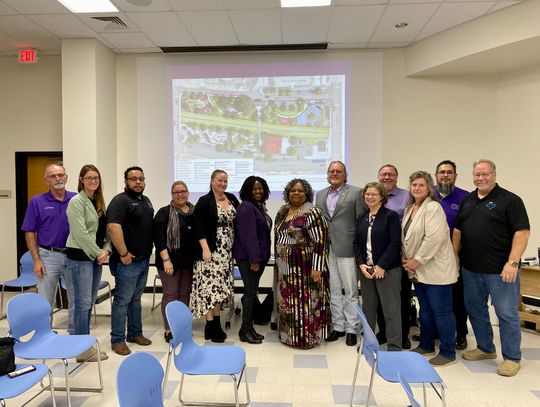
<point>280,376</point>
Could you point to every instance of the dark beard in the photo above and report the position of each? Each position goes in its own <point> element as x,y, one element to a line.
<point>446,189</point>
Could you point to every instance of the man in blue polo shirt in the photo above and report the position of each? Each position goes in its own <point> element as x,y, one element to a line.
<point>46,230</point>
<point>450,198</point>
<point>490,235</point>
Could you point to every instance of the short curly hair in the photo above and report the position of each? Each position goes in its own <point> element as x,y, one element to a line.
<point>292,183</point>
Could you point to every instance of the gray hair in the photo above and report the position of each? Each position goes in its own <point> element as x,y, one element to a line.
<point>485,161</point>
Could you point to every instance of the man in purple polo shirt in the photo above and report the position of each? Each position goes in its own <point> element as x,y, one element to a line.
<point>46,230</point>
<point>398,199</point>
<point>450,198</point>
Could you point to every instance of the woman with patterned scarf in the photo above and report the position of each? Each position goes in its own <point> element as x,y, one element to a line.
<point>174,238</point>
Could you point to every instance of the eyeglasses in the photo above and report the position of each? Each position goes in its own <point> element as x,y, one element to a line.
<point>387,175</point>
<point>482,174</point>
<point>56,176</point>
<point>91,179</point>
<point>183,192</point>
<point>135,179</point>
<point>372,195</point>
<point>335,171</point>
<point>449,172</point>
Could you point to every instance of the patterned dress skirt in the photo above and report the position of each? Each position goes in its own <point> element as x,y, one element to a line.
<point>303,304</point>
<point>213,281</point>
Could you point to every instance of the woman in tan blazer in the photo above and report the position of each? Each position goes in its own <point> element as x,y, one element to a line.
<point>429,260</point>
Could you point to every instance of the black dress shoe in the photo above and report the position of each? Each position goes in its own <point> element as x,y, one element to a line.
<point>249,338</point>
<point>461,342</point>
<point>334,336</point>
<point>256,334</point>
<point>406,344</point>
<point>167,336</point>
<point>381,337</point>
<point>351,340</point>
<point>273,326</point>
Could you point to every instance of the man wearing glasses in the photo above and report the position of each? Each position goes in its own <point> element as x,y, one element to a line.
<point>46,230</point>
<point>450,198</point>
<point>129,221</point>
<point>398,199</point>
<point>490,235</point>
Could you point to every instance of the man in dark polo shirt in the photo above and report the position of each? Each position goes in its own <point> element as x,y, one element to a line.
<point>490,235</point>
<point>129,221</point>
<point>46,230</point>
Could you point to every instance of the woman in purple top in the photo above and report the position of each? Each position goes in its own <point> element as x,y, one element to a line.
<point>251,248</point>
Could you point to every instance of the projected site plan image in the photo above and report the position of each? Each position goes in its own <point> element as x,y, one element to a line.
<point>276,127</point>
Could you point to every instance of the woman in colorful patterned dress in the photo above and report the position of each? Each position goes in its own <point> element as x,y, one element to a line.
<point>212,273</point>
<point>301,239</point>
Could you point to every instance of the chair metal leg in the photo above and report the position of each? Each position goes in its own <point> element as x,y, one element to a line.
<point>166,377</point>
<point>354,377</point>
<point>51,386</point>
<point>2,315</point>
<point>371,380</point>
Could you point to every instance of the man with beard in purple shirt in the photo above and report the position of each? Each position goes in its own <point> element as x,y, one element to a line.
<point>450,198</point>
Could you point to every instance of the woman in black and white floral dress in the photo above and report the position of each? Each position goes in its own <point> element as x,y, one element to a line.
<point>212,274</point>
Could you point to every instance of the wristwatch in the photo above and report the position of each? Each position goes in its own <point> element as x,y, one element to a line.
<point>514,263</point>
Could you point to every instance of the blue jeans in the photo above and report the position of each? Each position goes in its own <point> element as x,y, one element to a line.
<point>436,313</point>
<point>86,276</point>
<point>130,281</point>
<point>55,266</point>
<point>505,299</point>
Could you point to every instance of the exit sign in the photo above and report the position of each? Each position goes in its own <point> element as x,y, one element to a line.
<point>28,56</point>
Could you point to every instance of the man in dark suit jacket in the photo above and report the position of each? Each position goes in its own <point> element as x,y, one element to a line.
<point>341,204</point>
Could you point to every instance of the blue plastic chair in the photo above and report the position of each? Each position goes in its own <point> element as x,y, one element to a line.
<point>29,312</point>
<point>139,380</point>
<point>11,388</point>
<point>26,278</point>
<point>388,365</point>
<point>196,360</point>
<point>413,402</point>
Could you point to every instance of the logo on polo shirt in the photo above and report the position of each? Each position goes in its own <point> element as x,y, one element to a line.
<point>491,205</point>
<point>454,206</point>
<point>48,207</point>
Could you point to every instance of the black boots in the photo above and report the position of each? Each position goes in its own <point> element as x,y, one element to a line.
<point>213,331</point>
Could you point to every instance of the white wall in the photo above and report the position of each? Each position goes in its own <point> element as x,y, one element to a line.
<point>30,120</point>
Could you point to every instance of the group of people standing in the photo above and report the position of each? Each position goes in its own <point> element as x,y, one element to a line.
<point>381,235</point>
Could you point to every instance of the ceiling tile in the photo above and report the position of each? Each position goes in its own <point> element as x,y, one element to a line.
<point>106,26</point>
<point>209,27</point>
<point>389,44</point>
<point>190,5</point>
<point>5,10</point>
<point>351,24</point>
<point>164,29</point>
<point>452,14</point>
<point>252,4</point>
<point>23,29</point>
<point>358,2</point>
<point>139,50</point>
<point>64,26</point>
<point>416,15</point>
<point>155,5</point>
<point>37,6</point>
<point>256,26</point>
<point>128,40</point>
<point>503,4</point>
<point>312,29</point>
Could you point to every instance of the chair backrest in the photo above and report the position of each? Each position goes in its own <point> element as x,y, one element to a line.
<point>370,344</point>
<point>138,381</point>
<point>28,312</point>
<point>180,321</point>
<point>413,402</point>
<point>27,264</point>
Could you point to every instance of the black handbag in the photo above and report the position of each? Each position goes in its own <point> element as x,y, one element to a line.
<point>7,355</point>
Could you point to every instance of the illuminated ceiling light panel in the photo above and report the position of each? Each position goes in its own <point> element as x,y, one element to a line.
<point>305,3</point>
<point>93,6</point>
